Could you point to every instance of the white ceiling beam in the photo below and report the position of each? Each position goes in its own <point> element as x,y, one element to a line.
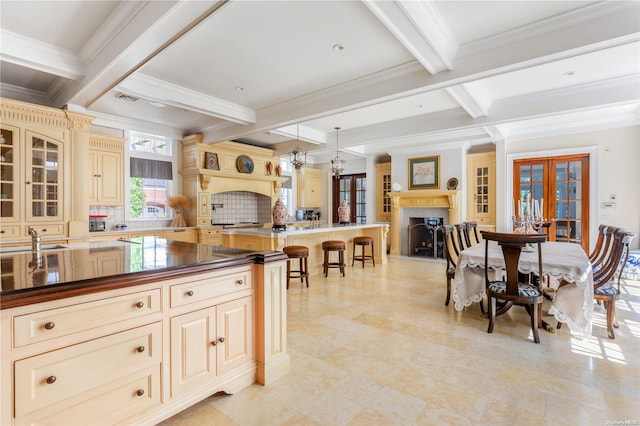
<point>155,27</point>
<point>45,57</point>
<point>170,94</point>
<point>303,133</point>
<point>472,98</point>
<point>580,98</point>
<point>420,28</point>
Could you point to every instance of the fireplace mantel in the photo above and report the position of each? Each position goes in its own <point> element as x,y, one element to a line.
<point>427,198</point>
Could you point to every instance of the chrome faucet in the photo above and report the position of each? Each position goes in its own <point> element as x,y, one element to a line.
<point>36,240</point>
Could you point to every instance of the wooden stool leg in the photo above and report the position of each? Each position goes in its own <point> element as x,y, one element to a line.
<point>306,271</point>
<point>373,259</point>
<point>325,266</point>
<point>288,271</point>
<point>341,260</point>
<point>301,270</point>
<point>353,254</point>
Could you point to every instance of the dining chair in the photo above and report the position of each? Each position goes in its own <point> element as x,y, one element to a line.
<point>451,253</point>
<point>606,289</point>
<point>513,289</point>
<point>607,248</point>
<point>461,230</point>
<point>471,230</point>
<point>599,244</point>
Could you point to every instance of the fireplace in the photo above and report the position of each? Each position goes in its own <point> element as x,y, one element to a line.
<point>425,237</point>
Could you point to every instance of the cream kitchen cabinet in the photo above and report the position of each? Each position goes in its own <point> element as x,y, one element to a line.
<point>308,190</point>
<point>383,188</point>
<point>481,188</point>
<point>106,157</point>
<point>211,236</point>
<point>210,342</point>
<point>186,235</point>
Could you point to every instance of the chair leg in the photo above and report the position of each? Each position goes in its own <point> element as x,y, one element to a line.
<point>306,272</point>
<point>353,256</point>
<point>325,266</point>
<point>492,313</point>
<point>534,323</point>
<point>341,260</point>
<point>362,253</point>
<point>446,303</point>
<point>610,318</point>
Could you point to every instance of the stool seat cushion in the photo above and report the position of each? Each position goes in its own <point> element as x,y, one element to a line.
<point>363,240</point>
<point>333,245</point>
<point>296,251</point>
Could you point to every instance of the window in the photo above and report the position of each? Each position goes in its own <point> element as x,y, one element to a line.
<point>150,180</point>
<point>286,191</point>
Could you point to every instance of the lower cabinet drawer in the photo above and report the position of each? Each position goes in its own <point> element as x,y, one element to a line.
<point>112,403</point>
<point>53,323</point>
<point>183,294</point>
<point>56,376</point>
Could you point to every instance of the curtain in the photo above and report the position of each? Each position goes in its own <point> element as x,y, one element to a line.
<point>151,169</point>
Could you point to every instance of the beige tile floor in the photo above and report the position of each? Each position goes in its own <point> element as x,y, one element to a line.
<point>380,348</point>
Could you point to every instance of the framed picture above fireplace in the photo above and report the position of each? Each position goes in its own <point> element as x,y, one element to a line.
<point>424,172</point>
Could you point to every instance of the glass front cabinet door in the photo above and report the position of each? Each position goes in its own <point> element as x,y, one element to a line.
<point>43,178</point>
<point>481,190</point>
<point>9,182</point>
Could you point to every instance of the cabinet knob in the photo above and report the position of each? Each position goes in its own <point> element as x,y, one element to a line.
<point>140,305</point>
<point>140,349</point>
<point>43,230</point>
<point>140,392</point>
<point>49,325</point>
<point>3,231</point>
<point>221,340</point>
<point>239,282</point>
<point>190,293</point>
<point>51,380</point>
<point>214,343</point>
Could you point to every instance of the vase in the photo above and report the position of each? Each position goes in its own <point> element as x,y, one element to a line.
<point>279,214</point>
<point>344,213</point>
<point>178,220</point>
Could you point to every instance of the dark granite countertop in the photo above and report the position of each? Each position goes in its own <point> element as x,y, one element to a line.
<point>86,264</point>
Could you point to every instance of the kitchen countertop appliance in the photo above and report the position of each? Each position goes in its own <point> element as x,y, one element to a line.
<point>97,223</point>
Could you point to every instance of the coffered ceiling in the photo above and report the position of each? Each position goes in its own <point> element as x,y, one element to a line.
<point>396,76</point>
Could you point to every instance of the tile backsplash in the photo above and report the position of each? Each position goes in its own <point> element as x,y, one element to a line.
<point>227,207</point>
<point>240,206</point>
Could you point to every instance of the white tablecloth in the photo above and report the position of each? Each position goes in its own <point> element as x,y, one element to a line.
<point>572,304</point>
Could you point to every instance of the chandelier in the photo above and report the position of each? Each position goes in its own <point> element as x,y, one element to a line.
<point>337,164</point>
<point>297,158</point>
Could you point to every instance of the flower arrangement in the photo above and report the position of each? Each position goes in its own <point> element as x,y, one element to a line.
<point>178,203</point>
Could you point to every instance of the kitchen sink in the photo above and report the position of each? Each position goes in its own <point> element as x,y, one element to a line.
<point>28,248</point>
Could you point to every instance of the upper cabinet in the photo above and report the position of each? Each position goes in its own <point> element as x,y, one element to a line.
<point>481,188</point>
<point>309,188</point>
<point>106,170</point>
<point>383,188</point>
<point>36,188</point>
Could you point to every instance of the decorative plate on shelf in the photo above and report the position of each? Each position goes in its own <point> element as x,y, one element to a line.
<point>452,184</point>
<point>244,164</point>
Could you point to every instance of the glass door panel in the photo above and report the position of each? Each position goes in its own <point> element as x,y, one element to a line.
<point>8,179</point>
<point>45,195</point>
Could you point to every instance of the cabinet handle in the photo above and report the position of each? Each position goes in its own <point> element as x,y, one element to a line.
<point>214,343</point>
<point>28,183</point>
<point>239,282</point>
<point>3,231</point>
<point>140,392</point>
<point>49,325</point>
<point>221,340</point>
<point>51,380</point>
<point>190,293</point>
<point>140,305</point>
<point>43,230</point>
<point>140,349</point>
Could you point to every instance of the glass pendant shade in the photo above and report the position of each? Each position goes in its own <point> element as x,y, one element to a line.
<point>297,158</point>
<point>337,164</point>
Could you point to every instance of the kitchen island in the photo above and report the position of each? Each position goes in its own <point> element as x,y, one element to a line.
<point>135,331</point>
<point>268,239</point>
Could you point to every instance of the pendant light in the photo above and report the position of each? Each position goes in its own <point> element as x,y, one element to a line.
<point>337,164</point>
<point>297,158</point>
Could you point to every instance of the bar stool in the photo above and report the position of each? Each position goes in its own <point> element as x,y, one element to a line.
<point>301,253</point>
<point>363,242</point>
<point>329,246</point>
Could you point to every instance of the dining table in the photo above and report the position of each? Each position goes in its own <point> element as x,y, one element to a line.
<point>562,262</point>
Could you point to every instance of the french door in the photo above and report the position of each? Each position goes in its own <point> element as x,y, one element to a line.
<point>353,189</point>
<point>563,183</point>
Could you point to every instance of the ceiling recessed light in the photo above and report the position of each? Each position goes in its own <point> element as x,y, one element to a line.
<point>568,73</point>
<point>419,106</point>
<point>240,88</point>
<point>157,104</point>
<point>338,47</point>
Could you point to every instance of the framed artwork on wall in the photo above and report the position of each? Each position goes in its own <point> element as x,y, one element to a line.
<point>211,161</point>
<point>424,172</point>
